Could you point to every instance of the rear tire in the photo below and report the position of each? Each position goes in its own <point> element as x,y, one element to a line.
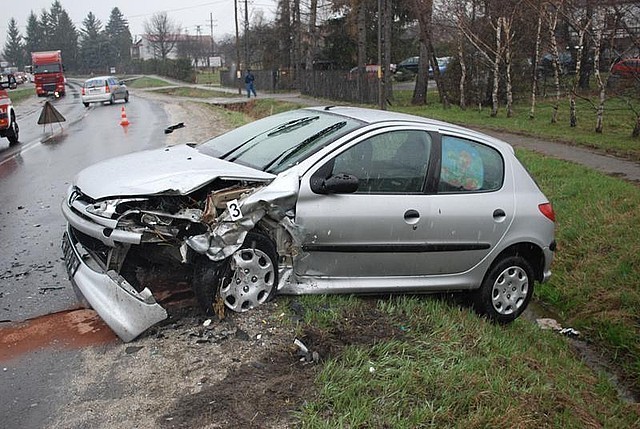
<point>86,104</point>
<point>112,99</point>
<point>506,290</point>
<point>13,133</point>
<point>243,281</point>
<point>126,97</point>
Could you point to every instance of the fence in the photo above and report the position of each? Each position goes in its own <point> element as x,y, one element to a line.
<point>329,84</point>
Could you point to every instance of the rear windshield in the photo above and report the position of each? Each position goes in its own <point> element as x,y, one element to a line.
<point>93,83</point>
<point>277,142</point>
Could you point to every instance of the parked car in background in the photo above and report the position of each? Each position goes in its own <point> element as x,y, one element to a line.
<point>312,201</point>
<point>627,68</point>
<point>411,65</point>
<point>371,71</point>
<point>104,89</point>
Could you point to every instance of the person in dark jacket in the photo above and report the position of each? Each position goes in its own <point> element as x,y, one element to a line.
<point>248,81</point>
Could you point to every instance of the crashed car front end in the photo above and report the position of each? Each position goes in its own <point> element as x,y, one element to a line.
<point>104,232</point>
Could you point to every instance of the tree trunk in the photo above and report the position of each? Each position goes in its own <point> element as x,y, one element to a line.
<point>553,23</point>
<point>362,48</point>
<point>573,120</point>
<point>463,74</point>
<point>420,89</point>
<point>387,19</point>
<point>506,24</point>
<point>596,69</point>
<point>496,69</point>
<point>536,61</point>
<point>313,36</point>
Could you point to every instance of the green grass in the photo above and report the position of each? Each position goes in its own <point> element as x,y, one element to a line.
<point>147,82</point>
<point>454,369</point>
<point>20,94</point>
<point>185,91</point>
<point>596,273</point>
<point>208,78</point>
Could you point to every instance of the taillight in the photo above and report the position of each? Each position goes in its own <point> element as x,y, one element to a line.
<point>547,210</point>
<point>83,90</point>
<point>106,88</point>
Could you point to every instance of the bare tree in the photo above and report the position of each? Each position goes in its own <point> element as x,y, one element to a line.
<point>551,14</point>
<point>423,10</point>
<point>536,61</point>
<point>162,34</point>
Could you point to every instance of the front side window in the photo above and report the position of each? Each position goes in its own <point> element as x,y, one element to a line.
<point>467,166</point>
<point>392,162</point>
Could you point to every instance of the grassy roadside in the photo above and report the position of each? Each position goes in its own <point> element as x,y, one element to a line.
<point>616,137</point>
<point>185,91</point>
<point>147,82</point>
<point>455,370</point>
<point>20,94</point>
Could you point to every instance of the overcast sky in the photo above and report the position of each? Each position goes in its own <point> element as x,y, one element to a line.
<point>188,13</point>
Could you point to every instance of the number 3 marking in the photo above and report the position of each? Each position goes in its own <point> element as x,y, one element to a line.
<point>234,209</point>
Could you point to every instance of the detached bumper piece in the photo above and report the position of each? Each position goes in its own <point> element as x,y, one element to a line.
<point>126,311</point>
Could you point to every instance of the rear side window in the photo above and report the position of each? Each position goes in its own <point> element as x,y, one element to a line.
<point>468,166</point>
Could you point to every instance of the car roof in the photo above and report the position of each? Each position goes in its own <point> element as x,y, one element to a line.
<point>373,116</point>
<point>100,78</point>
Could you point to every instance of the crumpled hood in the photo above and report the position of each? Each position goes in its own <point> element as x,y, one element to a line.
<point>176,170</point>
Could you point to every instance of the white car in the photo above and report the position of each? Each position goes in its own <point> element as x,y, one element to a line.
<point>317,200</point>
<point>104,89</point>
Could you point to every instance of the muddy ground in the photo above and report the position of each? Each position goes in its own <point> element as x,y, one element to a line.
<point>241,372</point>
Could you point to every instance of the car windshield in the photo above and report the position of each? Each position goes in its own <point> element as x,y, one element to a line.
<point>278,142</point>
<point>46,68</point>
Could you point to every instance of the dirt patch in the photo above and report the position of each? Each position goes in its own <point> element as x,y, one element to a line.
<point>263,391</point>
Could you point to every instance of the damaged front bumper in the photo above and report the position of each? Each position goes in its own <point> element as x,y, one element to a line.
<point>126,311</point>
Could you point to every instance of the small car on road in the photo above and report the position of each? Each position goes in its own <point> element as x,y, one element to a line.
<point>104,89</point>
<point>312,201</point>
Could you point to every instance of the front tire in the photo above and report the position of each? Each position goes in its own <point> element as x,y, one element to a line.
<point>243,281</point>
<point>506,290</point>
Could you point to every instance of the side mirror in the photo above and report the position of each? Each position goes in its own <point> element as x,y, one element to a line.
<point>340,184</point>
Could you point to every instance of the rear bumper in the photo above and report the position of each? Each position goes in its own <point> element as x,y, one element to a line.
<point>126,311</point>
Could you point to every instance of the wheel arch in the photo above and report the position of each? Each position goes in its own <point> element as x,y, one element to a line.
<point>531,252</point>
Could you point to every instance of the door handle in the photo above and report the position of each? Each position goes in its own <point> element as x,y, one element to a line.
<point>499,214</point>
<point>411,216</point>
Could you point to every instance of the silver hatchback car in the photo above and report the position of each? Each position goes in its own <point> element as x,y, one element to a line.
<point>104,89</point>
<point>312,201</point>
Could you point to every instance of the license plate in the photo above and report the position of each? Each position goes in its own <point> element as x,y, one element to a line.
<point>71,261</point>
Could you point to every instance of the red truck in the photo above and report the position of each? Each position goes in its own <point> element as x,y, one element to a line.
<point>48,73</point>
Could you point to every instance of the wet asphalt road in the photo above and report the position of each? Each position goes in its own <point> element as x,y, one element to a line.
<point>34,177</point>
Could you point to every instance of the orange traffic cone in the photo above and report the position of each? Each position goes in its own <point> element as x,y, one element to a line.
<point>124,121</point>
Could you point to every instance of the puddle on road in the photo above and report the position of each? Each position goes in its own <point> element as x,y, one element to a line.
<point>74,329</point>
<point>67,329</point>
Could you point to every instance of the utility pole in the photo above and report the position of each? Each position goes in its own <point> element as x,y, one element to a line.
<point>238,69</point>
<point>246,34</point>
<point>213,50</point>
<point>381,92</point>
